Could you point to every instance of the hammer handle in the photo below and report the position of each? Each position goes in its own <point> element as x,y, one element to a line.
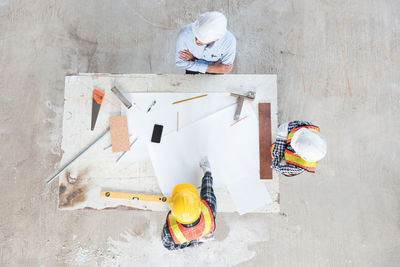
<point>238,108</point>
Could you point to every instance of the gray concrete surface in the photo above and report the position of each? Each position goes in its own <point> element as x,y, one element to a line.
<point>338,65</point>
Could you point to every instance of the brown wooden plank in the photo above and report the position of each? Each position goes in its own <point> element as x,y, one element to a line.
<point>264,128</point>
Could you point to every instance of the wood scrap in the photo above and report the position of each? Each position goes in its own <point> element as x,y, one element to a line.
<point>264,127</point>
<point>119,134</point>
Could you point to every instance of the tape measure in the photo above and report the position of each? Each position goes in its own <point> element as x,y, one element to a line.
<point>141,197</point>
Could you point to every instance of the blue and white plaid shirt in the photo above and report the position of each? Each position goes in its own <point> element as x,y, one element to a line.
<point>278,162</point>
<point>207,193</point>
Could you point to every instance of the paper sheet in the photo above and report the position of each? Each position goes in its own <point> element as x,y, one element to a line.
<point>248,194</point>
<point>232,152</point>
<point>141,123</point>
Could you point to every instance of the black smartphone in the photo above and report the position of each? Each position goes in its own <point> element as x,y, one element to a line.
<point>157,132</point>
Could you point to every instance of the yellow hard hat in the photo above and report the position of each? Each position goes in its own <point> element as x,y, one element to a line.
<point>185,203</point>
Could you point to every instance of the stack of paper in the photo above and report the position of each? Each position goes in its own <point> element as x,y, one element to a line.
<point>207,130</point>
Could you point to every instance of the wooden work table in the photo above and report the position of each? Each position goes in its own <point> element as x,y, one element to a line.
<point>80,185</point>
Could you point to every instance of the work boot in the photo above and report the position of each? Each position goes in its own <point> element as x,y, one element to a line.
<point>205,164</point>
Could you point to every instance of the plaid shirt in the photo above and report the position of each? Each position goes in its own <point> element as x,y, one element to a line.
<point>278,162</point>
<point>207,193</point>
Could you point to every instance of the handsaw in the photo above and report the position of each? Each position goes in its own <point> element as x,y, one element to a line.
<point>98,97</point>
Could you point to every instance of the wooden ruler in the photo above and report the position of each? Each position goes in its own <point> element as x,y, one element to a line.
<point>264,128</point>
<point>141,197</point>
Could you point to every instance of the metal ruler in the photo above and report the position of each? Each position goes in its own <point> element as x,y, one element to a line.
<point>77,156</point>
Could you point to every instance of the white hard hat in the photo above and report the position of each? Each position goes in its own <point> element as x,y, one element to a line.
<point>209,27</point>
<point>309,145</point>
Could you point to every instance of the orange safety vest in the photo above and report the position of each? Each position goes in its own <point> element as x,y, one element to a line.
<point>293,158</point>
<point>181,234</point>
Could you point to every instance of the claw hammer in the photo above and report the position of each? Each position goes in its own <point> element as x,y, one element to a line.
<point>250,95</point>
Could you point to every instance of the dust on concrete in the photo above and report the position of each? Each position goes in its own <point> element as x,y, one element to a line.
<point>176,84</point>
<point>73,191</point>
<point>53,123</point>
<point>62,189</point>
<point>133,246</point>
<point>121,207</point>
<point>87,50</point>
<point>353,218</point>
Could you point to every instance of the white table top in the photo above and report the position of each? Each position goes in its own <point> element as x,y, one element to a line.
<point>82,182</point>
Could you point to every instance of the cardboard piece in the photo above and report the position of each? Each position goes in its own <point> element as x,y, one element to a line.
<point>119,134</point>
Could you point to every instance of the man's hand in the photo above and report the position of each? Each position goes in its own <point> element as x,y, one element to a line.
<point>282,132</point>
<point>186,55</point>
<point>205,165</point>
<point>218,67</point>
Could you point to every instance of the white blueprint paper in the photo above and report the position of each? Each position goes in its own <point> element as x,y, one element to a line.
<point>232,151</point>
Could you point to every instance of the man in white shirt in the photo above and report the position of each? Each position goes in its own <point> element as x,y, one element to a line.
<point>206,46</point>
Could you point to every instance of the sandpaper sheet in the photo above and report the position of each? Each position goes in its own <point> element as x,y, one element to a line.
<point>119,134</point>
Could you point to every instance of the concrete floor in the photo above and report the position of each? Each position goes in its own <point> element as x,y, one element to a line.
<point>338,65</point>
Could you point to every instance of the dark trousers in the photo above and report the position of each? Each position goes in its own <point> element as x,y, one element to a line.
<point>196,72</point>
<point>192,72</point>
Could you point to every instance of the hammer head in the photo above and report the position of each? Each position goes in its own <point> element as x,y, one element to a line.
<point>250,95</point>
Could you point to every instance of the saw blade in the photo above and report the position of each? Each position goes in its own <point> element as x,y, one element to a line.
<point>98,97</point>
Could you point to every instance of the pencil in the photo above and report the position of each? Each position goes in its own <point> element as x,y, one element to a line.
<point>177,121</point>
<point>180,101</point>
<point>238,120</point>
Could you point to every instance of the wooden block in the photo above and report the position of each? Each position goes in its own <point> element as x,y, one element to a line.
<point>264,128</point>
<point>119,134</point>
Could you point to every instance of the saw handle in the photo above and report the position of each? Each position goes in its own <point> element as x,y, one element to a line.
<point>98,96</point>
